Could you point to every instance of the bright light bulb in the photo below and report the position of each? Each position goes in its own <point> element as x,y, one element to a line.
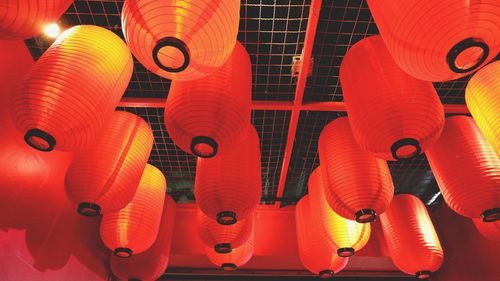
<point>52,30</point>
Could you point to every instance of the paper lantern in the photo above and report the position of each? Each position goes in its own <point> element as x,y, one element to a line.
<point>467,170</point>
<point>411,239</point>
<point>316,252</point>
<point>73,89</point>
<point>22,19</point>
<point>103,177</point>
<point>439,40</point>
<point>483,102</point>
<point>228,187</point>
<point>181,40</point>
<point>358,185</point>
<point>151,264</point>
<point>133,229</point>
<point>490,231</point>
<point>392,115</point>
<point>224,238</point>
<point>233,260</point>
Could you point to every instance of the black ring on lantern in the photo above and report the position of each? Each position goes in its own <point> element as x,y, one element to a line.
<point>404,142</point>
<point>424,274</point>
<point>491,215</point>
<point>123,252</point>
<point>223,248</point>
<point>325,274</point>
<point>345,252</point>
<point>37,133</point>
<point>134,279</point>
<point>226,218</point>
<point>228,266</point>
<point>204,140</point>
<point>89,209</point>
<point>171,42</point>
<point>463,45</point>
<point>366,216</point>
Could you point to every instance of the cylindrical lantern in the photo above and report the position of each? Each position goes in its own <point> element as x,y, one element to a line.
<point>439,40</point>
<point>467,170</point>
<point>103,177</point>
<point>358,185</point>
<point>224,238</point>
<point>73,88</point>
<point>412,241</point>
<point>483,101</point>
<point>235,259</point>
<point>209,115</point>
<point>228,187</point>
<point>348,235</point>
<point>316,252</point>
<point>392,115</point>
<point>490,231</point>
<point>133,229</point>
<point>151,264</point>
<point>22,19</point>
<point>181,40</point>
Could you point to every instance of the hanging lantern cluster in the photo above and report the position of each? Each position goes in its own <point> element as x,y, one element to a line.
<point>235,259</point>
<point>490,231</point>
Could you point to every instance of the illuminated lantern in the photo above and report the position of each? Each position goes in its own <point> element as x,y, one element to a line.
<point>348,235</point>
<point>151,264</point>
<point>412,241</point>
<point>490,231</point>
<point>22,19</point>
<point>181,40</point>
<point>235,259</point>
<point>439,40</point>
<point>316,252</point>
<point>467,170</point>
<point>483,101</point>
<point>133,229</point>
<point>224,238</point>
<point>358,185</point>
<point>209,115</point>
<point>228,187</point>
<point>392,115</point>
<point>73,89</point>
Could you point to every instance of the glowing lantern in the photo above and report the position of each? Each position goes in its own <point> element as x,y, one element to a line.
<point>357,184</point>
<point>235,259</point>
<point>439,40</point>
<point>133,229</point>
<point>181,40</point>
<point>392,115</point>
<point>467,170</point>
<point>72,89</point>
<point>490,231</point>
<point>151,264</point>
<point>412,241</point>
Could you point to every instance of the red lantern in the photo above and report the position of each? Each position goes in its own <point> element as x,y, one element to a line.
<point>134,228</point>
<point>412,241</point>
<point>235,259</point>
<point>316,253</point>
<point>490,231</point>
<point>22,19</point>
<point>73,89</point>
<point>483,101</point>
<point>392,115</point>
<point>439,40</point>
<point>227,188</point>
<point>358,185</point>
<point>467,170</point>
<point>103,178</point>
<point>209,115</point>
<point>181,40</point>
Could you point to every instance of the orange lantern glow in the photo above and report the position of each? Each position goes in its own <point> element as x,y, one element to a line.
<point>133,229</point>
<point>209,115</point>
<point>228,187</point>
<point>439,40</point>
<point>392,115</point>
<point>358,185</point>
<point>103,177</point>
<point>22,19</point>
<point>490,231</point>
<point>467,170</point>
<point>72,89</point>
<point>151,264</point>
<point>181,40</point>
<point>235,259</point>
<point>483,101</point>
<point>412,241</point>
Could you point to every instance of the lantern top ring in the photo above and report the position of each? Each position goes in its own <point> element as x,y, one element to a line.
<point>366,216</point>
<point>424,274</point>
<point>204,147</point>
<point>226,218</point>
<point>325,274</point>
<point>463,46</point>
<point>89,209</point>
<point>228,266</point>
<point>345,252</point>
<point>174,43</point>
<point>40,140</point>
<point>405,148</point>
<point>223,248</point>
<point>123,252</point>
<point>491,215</point>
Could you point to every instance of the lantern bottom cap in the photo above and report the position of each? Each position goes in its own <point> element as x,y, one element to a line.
<point>123,252</point>
<point>326,273</point>
<point>223,248</point>
<point>89,209</point>
<point>491,215</point>
<point>134,279</point>
<point>176,45</point>
<point>467,55</point>
<point>204,147</point>
<point>366,216</point>
<point>40,140</point>
<point>226,218</point>
<point>424,274</point>
<point>405,148</point>
<point>228,266</point>
<point>345,252</point>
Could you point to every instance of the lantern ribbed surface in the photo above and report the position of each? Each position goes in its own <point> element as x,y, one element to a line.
<point>467,170</point>
<point>151,264</point>
<point>22,19</point>
<point>103,177</point>
<point>489,230</point>
<point>73,89</point>
<point>316,252</point>
<point>133,229</point>
<point>439,40</point>
<point>235,259</point>
<point>358,186</point>
<point>392,115</point>
<point>207,116</point>
<point>228,187</point>
<point>483,101</point>
<point>181,39</point>
<point>411,238</point>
